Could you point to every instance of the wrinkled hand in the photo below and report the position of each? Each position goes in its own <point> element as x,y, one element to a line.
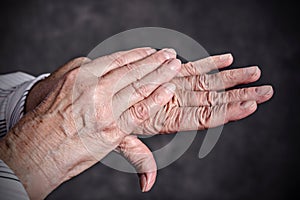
<point>200,102</point>
<point>84,116</point>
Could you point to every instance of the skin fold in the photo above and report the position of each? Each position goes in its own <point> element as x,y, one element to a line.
<point>118,96</point>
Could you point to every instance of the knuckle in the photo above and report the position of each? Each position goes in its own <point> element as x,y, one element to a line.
<point>205,116</point>
<point>158,99</point>
<point>71,75</point>
<point>109,137</point>
<point>119,60</point>
<point>134,70</point>
<point>188,83</point>
<point>81,60</point>
<point>230,96</point>
<point>203,82</point>
<point>209,63</point>
<point>130,66</point>
<point>172,120</point>
<point>182,98</point>
<point>190,68</point>
<point>242,93</point>
<point>156,123</point>
<point>140,112</point>
<point>212,98</point>
<point>230,75</point>
<point>140,90</point>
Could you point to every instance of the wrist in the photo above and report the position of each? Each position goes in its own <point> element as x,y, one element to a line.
<point>40,155</point>
<point>27,157</point>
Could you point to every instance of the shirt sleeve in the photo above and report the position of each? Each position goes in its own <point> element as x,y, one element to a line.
<point>10,186</point>
<point>14,89</point>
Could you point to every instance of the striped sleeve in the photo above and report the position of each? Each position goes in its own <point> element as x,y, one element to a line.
<point>10,186</point>
<point>14,89</point>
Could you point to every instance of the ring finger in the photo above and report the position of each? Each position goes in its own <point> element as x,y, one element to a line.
<point>209,98</point>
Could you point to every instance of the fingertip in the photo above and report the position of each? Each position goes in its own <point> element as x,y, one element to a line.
<point>222,61</point>
<point>147,180</point>
<point>143,182</point>
<point>170,50</point>
<point>174,64</point>
<point>253,73</point>
<point>150,50</point>
<point>240,110</point>
<point>258,70</point>
<point>271,91</point>
<point>227,59</point>
<point>247,108</point>
<point>151,177</point>
<point>168,53</point>
<point>176,61</point>
<point>255,70</point>
<point>265,93</point>
<point>230,59</point>
<point>257,75</point>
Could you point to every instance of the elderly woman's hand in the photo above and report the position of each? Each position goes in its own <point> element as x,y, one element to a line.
<point>84,116</point>
<point>200,102</point>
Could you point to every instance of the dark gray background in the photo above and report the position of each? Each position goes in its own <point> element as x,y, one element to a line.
<point>255,158</point>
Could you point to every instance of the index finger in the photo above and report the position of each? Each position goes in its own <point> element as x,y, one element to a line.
<point>104,64</point>
<point>205,65</point>
<point>134,71</point>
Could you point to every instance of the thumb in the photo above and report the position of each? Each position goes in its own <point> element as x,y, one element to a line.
<point>140,156</point>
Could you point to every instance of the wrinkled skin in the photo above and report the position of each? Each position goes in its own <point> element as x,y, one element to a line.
<point>200,102</point>
<point>77,124</point>
<point>196,105</point>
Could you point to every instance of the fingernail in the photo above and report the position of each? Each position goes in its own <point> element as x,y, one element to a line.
<point>170,50</point>
<point>225,57</point>
<point>150,51</point>
<point>169,53</point>
<point>247,104</point>
<point>170,87</point>
<point>264,90</point>
<point>143,182</point>
<point>252,70</point>
<point>174,64</point>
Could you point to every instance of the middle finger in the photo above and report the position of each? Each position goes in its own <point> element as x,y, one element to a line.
<point>218,81</point>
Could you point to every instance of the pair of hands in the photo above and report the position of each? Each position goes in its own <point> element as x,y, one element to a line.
<point>79,114</point>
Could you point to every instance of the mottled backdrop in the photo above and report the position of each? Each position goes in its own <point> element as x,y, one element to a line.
<point>255,158</point>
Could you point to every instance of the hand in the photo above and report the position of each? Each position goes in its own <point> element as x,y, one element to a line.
<point>199,103</point>
<point>69,132</point>
<point>196,91</point>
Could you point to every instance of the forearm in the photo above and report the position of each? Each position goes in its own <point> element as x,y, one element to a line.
<point>27,158</point>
